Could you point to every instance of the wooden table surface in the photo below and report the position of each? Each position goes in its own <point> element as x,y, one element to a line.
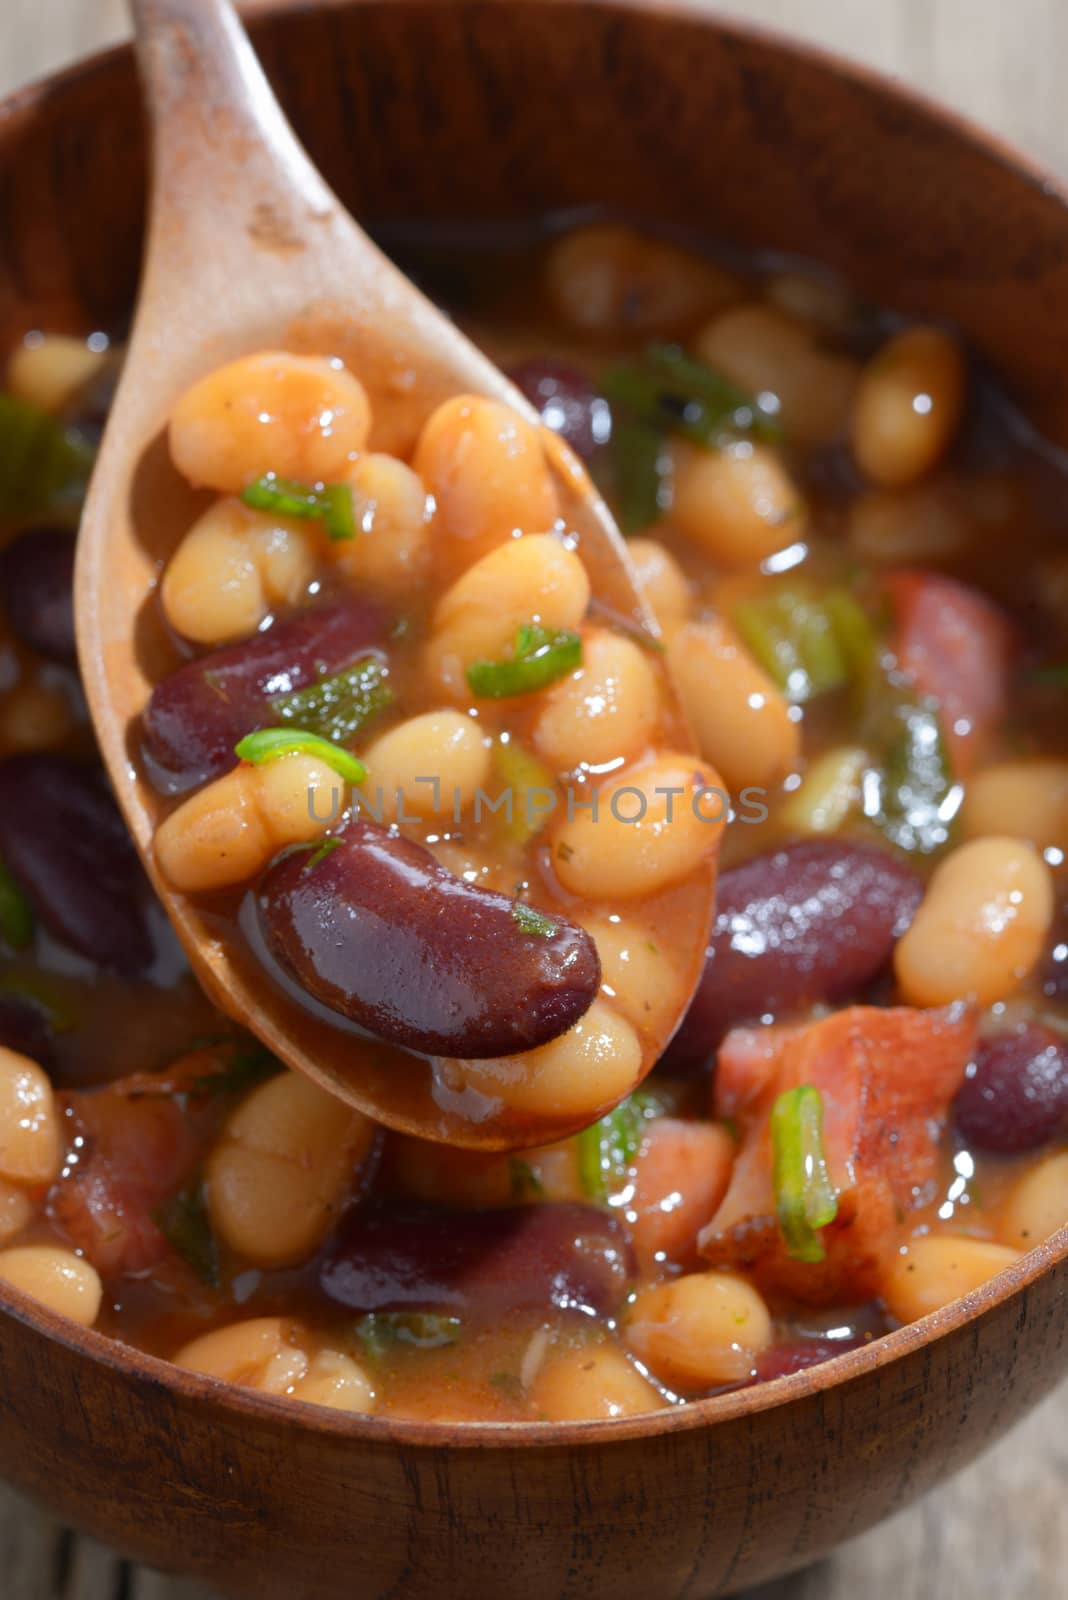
<point>999,1531</point>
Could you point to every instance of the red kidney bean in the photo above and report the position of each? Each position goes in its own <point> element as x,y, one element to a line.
<point>567,401</point>
<point>379,931</point>
<point>198,713</point>
<point>23,1028</point>
<point>797,1355</point>
<point>63,840</point>
<point>814,921</point>
<point>1015,1097</point>
<point>37,584</point>
<point>481,1263</point>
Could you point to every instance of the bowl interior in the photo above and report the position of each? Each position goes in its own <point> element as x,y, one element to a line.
<point>654,113</point>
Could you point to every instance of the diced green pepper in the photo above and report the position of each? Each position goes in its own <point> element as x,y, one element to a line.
<point>272,744</point>
<point>540,656</point>
<point>328,503</point>
<point>805,1199</point>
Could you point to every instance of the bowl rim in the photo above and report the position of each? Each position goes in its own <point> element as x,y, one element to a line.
<point>126,1361</point>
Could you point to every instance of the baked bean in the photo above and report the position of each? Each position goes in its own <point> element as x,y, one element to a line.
<point>662,581</point>
<point>272,1354</point>
<point>380,932</point>
<point>592,1382</point>
<point>51,372</point>
<point>739,503</point>
<point>537,579</point>
<point>335,1380</point>
<point>765,351</point>
<point>823,302</point>
<point>636,976</point>
<point>429,766</point>
<point>933,1271</point>
<point>649,827</point>
<point>35,716</point>
<point>927,524</point>
<point>264,1353</point>
<point>605,711</point>
<point>57,1278</point>
<point>1038,1205</point>
<point>742,723</point>
<point>487,471</point>
<point>232,569</point>
<point>29,1123</point>
<point>699,1330</point>
<point>303,417</point>
<point>229,830</point>
<point>391,550</point>
<point>607,278</point>
<point>981,926</point>
<point>908,406</point>
<point>282,1169</point>
<point>16,1210</point>
<point>1020,800</point>
<point>584,1071</point>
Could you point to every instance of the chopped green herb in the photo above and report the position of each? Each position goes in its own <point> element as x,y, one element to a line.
<point>321,851</point>
<point>672,392</point>
<point>540,656</point>
<point>533,922</point>
<point>328,503</point>
<point>244,1070</point>
<point>633,472</point>
<point>380,1332</point>
<point>666,391</point>
<point>606,1149</point>
<point>523,1179</point>
<point>911,796</point>
<point>16,915</point>
<point>808,642</point>
<point>805,1199</point>
<point>44,466</point>
<point>509,1383</point>
<point>185,1225</point>
<point>337,707</point>
<point>271,744</point>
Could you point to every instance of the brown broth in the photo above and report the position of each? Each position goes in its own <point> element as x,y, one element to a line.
<point>1005,493</point>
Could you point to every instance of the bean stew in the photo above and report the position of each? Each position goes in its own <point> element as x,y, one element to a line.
<point>443,798</point>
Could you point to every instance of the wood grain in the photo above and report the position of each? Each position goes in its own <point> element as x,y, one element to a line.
<point>999,1529</point>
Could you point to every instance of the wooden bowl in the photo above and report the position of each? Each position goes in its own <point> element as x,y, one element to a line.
<point>462,109</point>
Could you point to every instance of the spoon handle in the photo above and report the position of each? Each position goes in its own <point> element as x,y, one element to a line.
<point>230,180</point>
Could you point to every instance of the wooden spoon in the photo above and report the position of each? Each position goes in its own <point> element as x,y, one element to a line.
<point>248,249</point>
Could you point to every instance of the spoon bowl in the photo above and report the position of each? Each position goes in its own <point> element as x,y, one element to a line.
<point>248,249</point>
